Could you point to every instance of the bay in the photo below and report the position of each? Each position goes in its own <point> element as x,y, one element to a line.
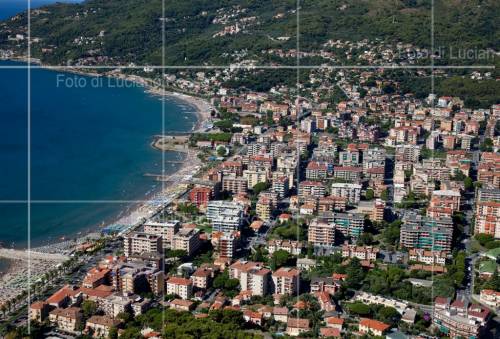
<point>89,141</point>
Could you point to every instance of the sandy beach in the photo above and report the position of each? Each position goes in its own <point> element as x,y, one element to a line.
<point>23,264</point>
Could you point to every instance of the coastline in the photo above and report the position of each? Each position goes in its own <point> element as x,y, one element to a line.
<point>202,107</point>
<point>170,188</point>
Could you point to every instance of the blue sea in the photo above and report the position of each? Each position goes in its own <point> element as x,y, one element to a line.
<point>90,140</point>
<point>9,8</point>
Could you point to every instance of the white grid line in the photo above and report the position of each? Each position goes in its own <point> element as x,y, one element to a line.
<point>163,32</point>
<point>83,201</point>
<point>29,166</point>
<point>297,112</point>
<point>433,154</point>
<point>246,67</point>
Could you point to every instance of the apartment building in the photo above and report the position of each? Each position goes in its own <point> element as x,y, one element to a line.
<point>291,246</point>
<point>444,203</point>
<point>166,230</point>
<point>321,233</point>
<point>408,153</point>
<point>180,286</point>
<point>332,203</point>
<point>345,190</point>
<point>234,184</point>
<point>286,280</point>
<point>486,194</point>
<point>187,239</point>
<point>459,319</point>
<point>374,158</point>
<point>281,186</point>
<point>141,242</point>
<point>435,169</point>
<point>232,168</point>
<point>202,277</point>
<point>226,216</point>
<point>255,177</point>
<point>349,158</point>
<point>487,214</point>
<point>66,319</point>
<point>264,208</point>
<point>427,257</point>
<point>488,172</point>
<point>317,170</point>
<point>242,266</point>
<point>426,233</point>
<point>227,244</point>
<point>200,196</point>
<point>490,298</point>
<point>256,279</point>
<point>115,304</point>
<point>311,188</point>
<point>348,173</point>
<point>100,325</point>
<point>488,218</point>
<point>349,224</point>
<point>360,252</point>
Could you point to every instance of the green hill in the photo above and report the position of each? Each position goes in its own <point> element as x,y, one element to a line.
<point>114,31</point>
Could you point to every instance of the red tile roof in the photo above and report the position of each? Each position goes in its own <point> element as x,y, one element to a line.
<point>374,324</point>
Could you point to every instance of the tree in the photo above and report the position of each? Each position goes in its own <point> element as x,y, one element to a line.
<point>125,316</point>
<point>355,274</point>
<point>369,195</point>
<point>468,184</point>
<point>365,239</point>
<point>384,195</point>
<point>89,308</point>
<point>221,151</point>
<point>113,333</point>
<point>260,254</point>
<point>483,238</point>
<point>261,186</point>
<point>227,285</point>
<point>458,175</point>
<point>227,317</point>
<point>279,258</point>
<point>487,145</point>
<point>359,309</point>
<point>388,315</point>
<point>391,233</point>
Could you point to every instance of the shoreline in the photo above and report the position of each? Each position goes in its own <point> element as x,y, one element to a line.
<point>132,215</point>
<point>202,107</point>
<point>189,165</point>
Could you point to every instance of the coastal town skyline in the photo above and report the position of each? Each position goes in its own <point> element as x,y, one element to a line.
<point>307,185</point>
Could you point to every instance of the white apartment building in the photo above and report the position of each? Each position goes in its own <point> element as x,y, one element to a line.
<point>226,216</point>
<point>140,242</point>
<point>350,191</point>
<point>166,230</point>
<point>180,286</point>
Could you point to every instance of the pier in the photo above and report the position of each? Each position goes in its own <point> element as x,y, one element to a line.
<point>171,142</point>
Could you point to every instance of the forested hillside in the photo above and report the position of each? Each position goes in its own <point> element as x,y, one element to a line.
<point>112,31</point>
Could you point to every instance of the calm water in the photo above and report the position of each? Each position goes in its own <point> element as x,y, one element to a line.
<point>89,141</point>
<point>9,8</point>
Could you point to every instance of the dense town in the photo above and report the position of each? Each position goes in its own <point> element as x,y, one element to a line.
<point>332,205</point>
<point>377,215</point>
